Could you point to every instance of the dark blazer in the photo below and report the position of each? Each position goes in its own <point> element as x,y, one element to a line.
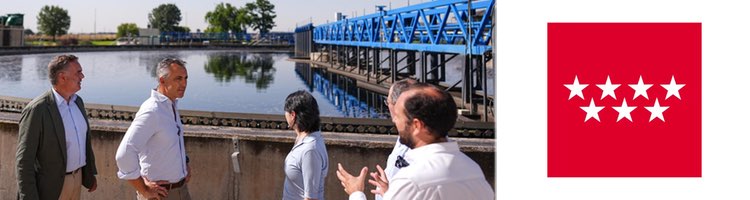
<point>41,155</point>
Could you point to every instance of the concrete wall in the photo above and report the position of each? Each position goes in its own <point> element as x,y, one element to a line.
<point>262,154</point>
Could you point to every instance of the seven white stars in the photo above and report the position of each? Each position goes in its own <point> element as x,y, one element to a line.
<point>592,111</point>
<point>673,89</point>
<point>640,88</point>
<point>624,111</point>
<point>657,111</point>
<point>576,89</point>
<point>608,89</point>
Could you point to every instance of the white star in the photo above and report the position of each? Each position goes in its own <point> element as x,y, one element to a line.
<point>592,111</point>
<point>657,111</point>
<point>624,111</point>
<point>608,89</point>
<point>576,89</point>
<point>640,88</point>
<point>672,89</point>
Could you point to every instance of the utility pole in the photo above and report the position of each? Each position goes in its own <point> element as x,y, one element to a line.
<point>94,21</point>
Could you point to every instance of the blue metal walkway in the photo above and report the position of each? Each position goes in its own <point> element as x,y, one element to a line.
<point>412,42</point>
<point>439,26</point>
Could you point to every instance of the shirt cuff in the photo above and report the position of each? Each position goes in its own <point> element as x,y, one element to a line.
<point>358,195</point>
<point>129,176</point>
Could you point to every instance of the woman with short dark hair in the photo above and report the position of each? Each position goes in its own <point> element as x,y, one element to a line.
<point>306,165</point>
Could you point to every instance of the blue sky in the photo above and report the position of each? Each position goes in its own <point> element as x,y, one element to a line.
<point>109,14</point>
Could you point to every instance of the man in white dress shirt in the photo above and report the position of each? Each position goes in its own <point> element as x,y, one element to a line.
<point>396,158</point>
<point>437,168</point>
<point>151,156</point>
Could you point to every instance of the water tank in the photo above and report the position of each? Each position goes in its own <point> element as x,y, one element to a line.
<point>339,16</point>
<point>14,20</point>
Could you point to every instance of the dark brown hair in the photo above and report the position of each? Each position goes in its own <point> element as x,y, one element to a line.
<point>58,64</point>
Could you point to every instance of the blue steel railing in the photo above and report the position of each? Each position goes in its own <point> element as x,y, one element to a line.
<point>437,26</point>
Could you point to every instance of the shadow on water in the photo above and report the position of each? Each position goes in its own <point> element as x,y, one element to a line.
<point>343,93</point>
<point>256,69</point>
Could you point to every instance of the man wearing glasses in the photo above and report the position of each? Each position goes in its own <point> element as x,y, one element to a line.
<point>396,158</point>
<point>151,156</point>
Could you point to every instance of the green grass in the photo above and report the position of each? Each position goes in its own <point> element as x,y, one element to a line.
<point>42,43</point>
<point>50,43</point>
<point>103,42</point>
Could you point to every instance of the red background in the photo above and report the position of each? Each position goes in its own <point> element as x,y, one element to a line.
<point>624,51</point>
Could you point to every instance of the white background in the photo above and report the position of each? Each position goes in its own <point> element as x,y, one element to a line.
<point>522,92</point>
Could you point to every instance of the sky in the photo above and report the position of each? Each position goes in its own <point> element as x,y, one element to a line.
<point>89,16</point>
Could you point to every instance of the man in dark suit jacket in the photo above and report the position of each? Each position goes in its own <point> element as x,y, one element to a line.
<point>47,135</point>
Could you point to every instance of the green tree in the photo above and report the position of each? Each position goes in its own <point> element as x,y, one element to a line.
<point>127,29</point>
<point>261,16</point>
<point>182,29</point>
<point>53,21</point>
<point>165,17</point>
<point>225,18</point>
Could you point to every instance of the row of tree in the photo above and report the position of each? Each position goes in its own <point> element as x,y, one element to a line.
<point>258,15</point>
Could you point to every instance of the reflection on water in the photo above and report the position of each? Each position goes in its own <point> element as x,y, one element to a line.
<point>10,68</point>
<point>256,69</point>
<point>151,60</point>
<point>342,92</point>
<point>221,80</point>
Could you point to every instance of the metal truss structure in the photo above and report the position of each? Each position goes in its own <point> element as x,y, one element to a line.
<point>417,42</point>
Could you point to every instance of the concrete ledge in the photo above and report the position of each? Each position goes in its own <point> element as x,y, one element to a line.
<point>261,121</point>
<point>265,135</point>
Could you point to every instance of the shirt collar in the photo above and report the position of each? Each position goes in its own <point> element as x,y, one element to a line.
<point>311,137</point>
<point>60,100</point>
<point>160,97</point>
<point>423,152</point>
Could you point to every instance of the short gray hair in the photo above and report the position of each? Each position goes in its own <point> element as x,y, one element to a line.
<point>399,87</point>
<point>58,64</point>
<point>162,69</point>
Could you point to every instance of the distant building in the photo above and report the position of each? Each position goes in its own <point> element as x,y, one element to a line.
<point>148,36</point>
<point>339,16</point>
<point>11,30</point>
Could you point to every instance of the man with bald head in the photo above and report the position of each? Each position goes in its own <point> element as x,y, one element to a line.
<point>437,169</point>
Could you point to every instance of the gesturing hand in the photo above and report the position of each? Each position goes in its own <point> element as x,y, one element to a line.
<point>380,181</point>
<point>351,183</point>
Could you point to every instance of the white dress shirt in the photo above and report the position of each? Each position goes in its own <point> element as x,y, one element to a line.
<point>390,168</point>
<point>75,131</point>
<point>153,146</point>
<point>437,171</point>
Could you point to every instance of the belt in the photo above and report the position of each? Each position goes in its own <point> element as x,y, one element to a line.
<point>174,185</point>
<point>72,172</point>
